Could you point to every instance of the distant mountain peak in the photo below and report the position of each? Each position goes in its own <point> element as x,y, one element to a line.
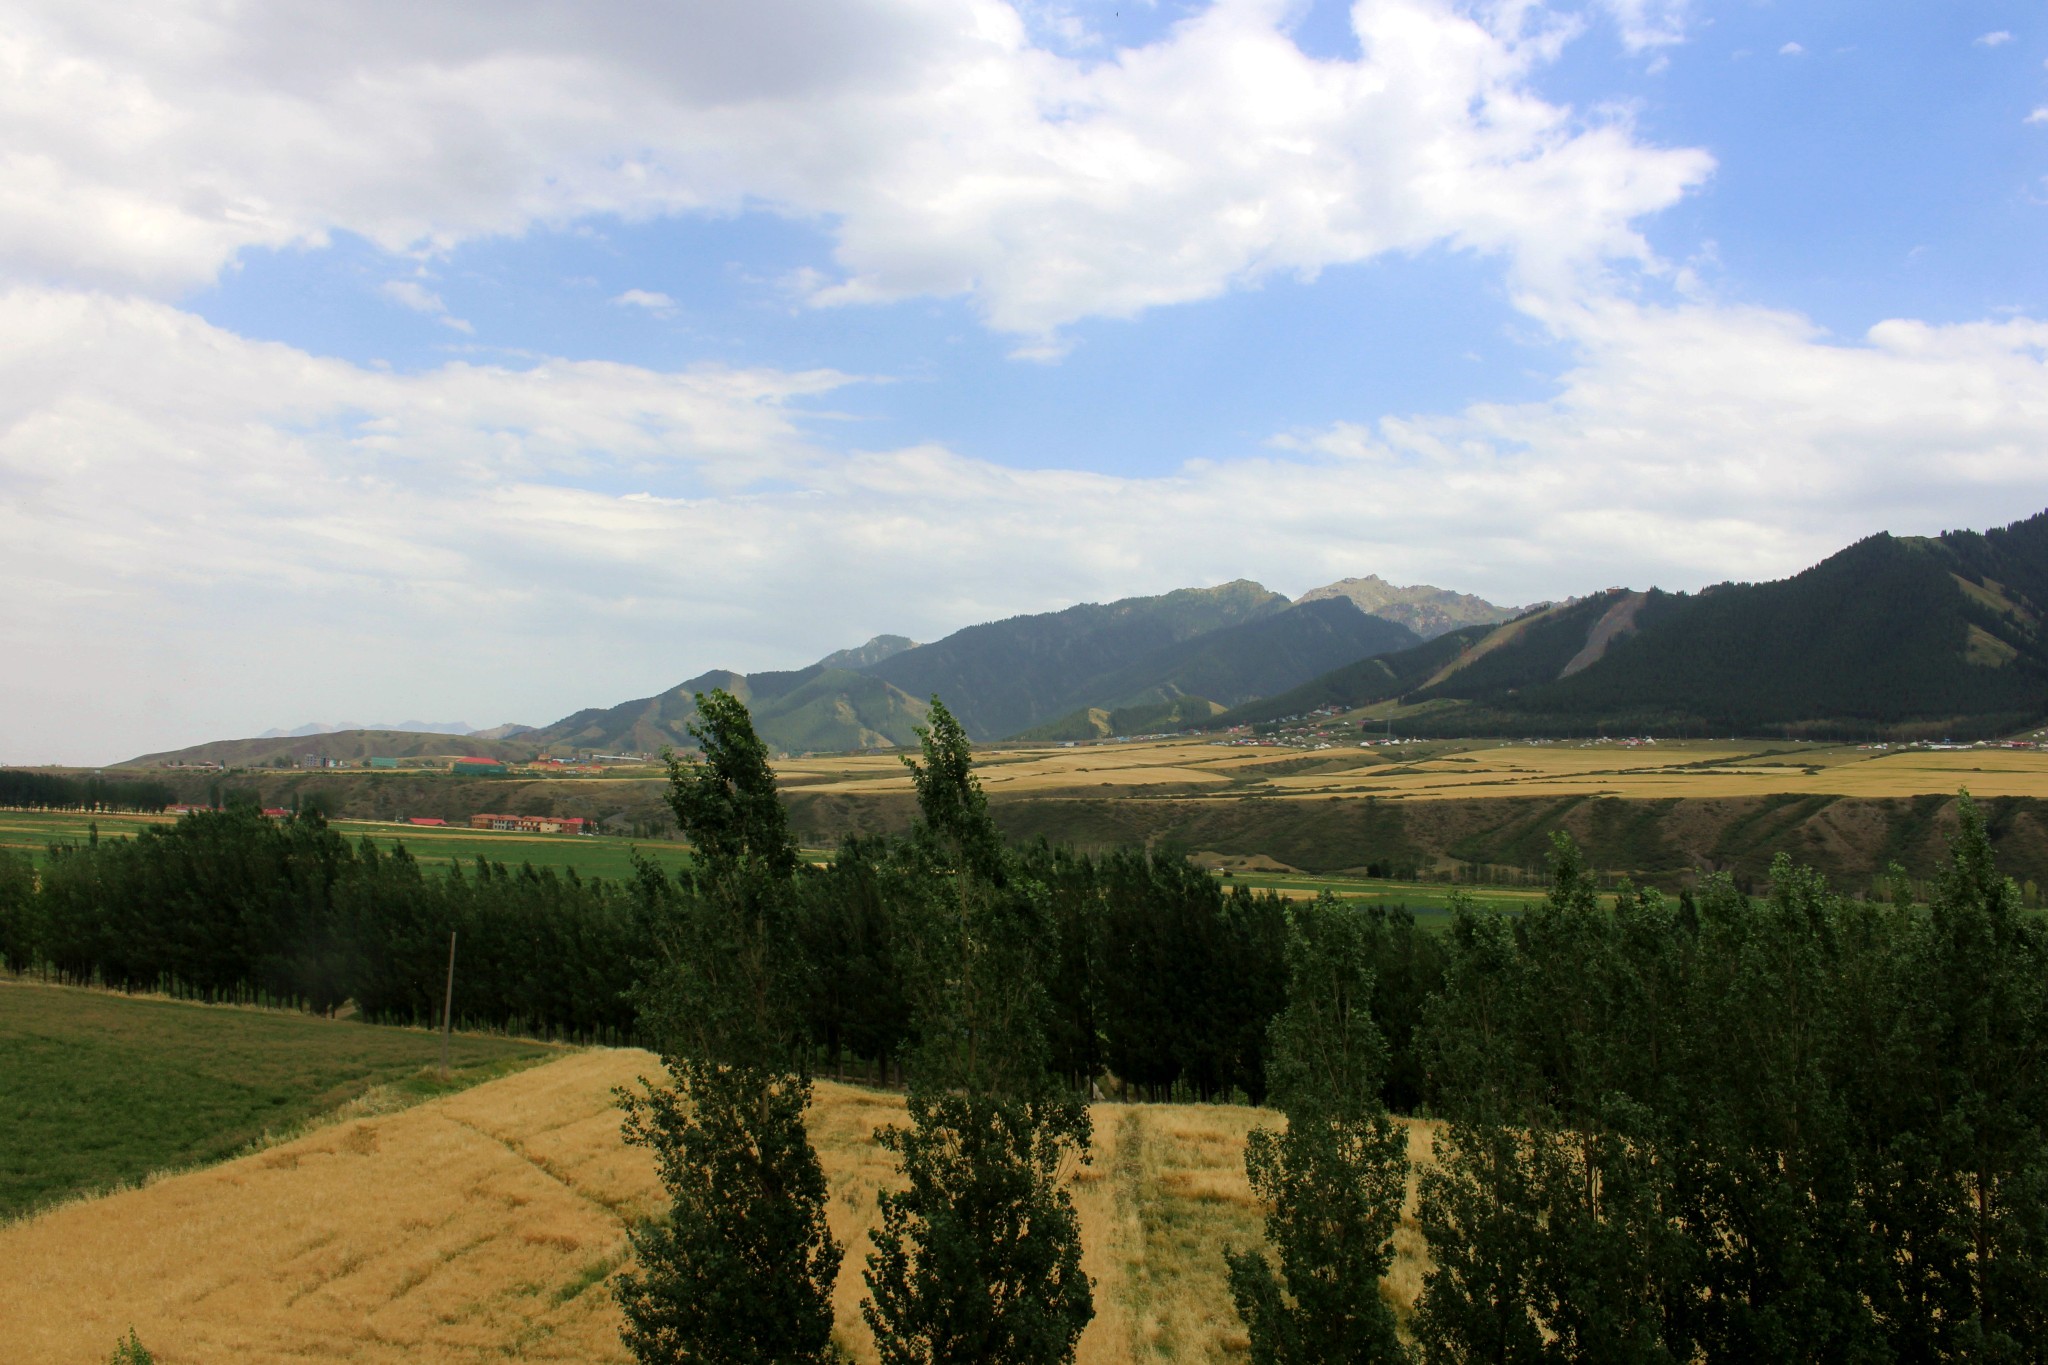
<point>1428,611</point>
<point>867,655</point>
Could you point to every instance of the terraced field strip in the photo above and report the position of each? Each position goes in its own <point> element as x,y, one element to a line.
<point>485,1226</point>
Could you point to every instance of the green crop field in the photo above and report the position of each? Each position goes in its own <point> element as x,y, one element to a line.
<point>1429,902</point>
<point>103,1089</point>
<point>32,832</point>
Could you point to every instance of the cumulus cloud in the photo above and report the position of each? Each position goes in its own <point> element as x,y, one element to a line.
<point>196,526</point>
<point>1792,50</point>
<point>2040,115</point>
<point>949,153</point>
<point>655,302</point>
<point>1996,38</point>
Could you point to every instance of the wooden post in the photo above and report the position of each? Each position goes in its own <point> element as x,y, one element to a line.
<point>448,1006</point>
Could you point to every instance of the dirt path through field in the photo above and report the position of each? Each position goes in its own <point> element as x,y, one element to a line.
<point>484,1226</point>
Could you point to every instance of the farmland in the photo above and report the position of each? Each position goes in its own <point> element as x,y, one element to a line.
<point>103,1089</point>
<point>32,832</point>
<point>499,1212</point>
<point>1452,770</point>
<point>1314,806</point>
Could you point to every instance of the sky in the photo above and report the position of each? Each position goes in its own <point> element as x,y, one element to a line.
<point>428,360</point>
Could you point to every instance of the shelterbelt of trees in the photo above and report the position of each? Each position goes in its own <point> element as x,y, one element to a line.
<point>1711,1127</point>
<point>1164,980</point>
<point>24,790</point>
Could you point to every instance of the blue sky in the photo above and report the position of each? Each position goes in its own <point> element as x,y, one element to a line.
<point>515,363</point>
<point>1885,169</point>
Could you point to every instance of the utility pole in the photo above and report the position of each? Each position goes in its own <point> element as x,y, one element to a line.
<point>448,1006</point>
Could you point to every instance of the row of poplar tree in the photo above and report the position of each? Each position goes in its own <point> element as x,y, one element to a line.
<point>1716,1128</point>
<point>1160,977</point>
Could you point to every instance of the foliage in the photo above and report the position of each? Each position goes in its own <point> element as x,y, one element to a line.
<point>1334,1180</point>
<point>230,905</point>
<point>131,1351</point>
<point>25,790</point>
<point>1799,1127</point>
<point>979,1256</point>
<point>742,1268</point>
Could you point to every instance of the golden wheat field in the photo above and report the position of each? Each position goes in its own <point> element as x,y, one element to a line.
<point>483,1227</point>
<point>1454,770</point>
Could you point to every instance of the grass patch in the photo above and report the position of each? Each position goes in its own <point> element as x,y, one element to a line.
<point>104,1090</point>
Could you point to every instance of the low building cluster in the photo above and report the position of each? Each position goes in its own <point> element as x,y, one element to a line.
<point>534,824</point>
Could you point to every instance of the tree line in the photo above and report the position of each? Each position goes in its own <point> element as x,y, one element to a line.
<point>1160,976</point>
<point>21,789</point>
<point>1715,1128</point>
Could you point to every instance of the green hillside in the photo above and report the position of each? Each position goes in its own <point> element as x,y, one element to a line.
<point>815,708</point>
<point>1007,676</point>
<point>1173,688</point>
<point>1892,637</point>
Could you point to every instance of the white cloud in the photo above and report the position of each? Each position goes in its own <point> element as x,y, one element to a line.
<point>1647,24</point>
<point>1791,50</point>
<point>1997,38</point>
<point>205,535</point>
<point>420,299</point>
<point>655,302</point>
<point>2039,115</point>
<point>948,153</point>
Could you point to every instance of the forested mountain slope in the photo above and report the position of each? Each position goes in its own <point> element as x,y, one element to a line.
<point>803,709</point>
<point>1227,667</point>
<point>1009,675</point>
<point>1894,636</point>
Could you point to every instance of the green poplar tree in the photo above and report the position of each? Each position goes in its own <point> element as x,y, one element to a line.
<point>1334,1179</point>
<point>979,1257</point>
<point>1963,1182</point>
<point>742,1269</point>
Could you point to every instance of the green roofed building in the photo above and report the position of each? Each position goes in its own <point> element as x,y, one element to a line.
<point>478,767</point>
<point>383,762</point>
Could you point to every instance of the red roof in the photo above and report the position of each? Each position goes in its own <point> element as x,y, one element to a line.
<point>425,820</point>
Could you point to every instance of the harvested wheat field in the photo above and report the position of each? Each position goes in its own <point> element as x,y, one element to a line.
<point>482,1226</point>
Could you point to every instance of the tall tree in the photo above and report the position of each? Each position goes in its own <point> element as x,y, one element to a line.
<point>1962,1186</point>
<point>1549,1209</point>
<point>979,1256</point>
<point>742,1269</point>
<point>1334,1179</point>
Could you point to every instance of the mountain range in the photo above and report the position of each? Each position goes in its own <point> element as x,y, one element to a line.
<point>1163,661</point>
<point>1893,636</point>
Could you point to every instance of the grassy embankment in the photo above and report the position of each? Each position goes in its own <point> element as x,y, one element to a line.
<point>482,1225</point>
<point>103,1090</point>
